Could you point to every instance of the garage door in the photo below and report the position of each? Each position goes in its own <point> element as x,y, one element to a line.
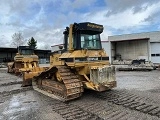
<point>155,52</point>
<point>133,49</point>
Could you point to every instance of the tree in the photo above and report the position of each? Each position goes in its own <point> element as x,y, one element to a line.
<point>32,42</point>
<point>17,39</point>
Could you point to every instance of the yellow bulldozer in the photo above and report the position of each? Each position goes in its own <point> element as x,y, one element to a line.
<point>25,60</point>
<point>80,63</point>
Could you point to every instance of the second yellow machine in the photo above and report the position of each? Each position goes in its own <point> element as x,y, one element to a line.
<point>80,63</point>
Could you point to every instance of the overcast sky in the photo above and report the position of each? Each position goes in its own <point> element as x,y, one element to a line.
<point>45,20</point>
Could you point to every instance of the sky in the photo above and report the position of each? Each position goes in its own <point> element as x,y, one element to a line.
<point>45,20</point>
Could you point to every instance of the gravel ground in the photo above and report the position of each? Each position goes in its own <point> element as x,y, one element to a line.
<point>146,84</point>
<point>142,81</point>
<point>17,103</point>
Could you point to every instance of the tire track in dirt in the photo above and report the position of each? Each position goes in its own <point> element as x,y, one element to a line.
<point>131,101</point>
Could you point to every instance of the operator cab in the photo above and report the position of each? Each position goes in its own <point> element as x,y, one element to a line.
<point>84,36</point>
<point>26,50</point>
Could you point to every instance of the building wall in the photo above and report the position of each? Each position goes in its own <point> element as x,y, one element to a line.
<point>44,56</point>
<point>6,56</point>
<point>106,46</point>
<point>138,49</point>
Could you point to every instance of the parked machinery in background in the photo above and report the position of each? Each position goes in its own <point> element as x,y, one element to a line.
<point>24,59</point>
<point>138,65</point>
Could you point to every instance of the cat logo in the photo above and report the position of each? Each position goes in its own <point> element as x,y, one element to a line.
<point>94,26</point>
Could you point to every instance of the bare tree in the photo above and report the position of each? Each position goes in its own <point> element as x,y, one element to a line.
<point>17,39</point>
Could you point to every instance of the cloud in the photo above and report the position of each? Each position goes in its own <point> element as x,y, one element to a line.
<point>46,20</point>
<point>127,19</point>
<point>4,41</point>
<point>122,5</point>
<point>49,37</point>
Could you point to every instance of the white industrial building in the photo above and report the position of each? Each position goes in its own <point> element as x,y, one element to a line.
<point>127,47</point>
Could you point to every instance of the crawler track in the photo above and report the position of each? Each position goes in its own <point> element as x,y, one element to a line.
<point>130,101</point>
<point>70,87</point>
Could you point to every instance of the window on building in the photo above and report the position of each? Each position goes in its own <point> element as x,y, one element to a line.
<point>153,55</point>
<point>157,54</point>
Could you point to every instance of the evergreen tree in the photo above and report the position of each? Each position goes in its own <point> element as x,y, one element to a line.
<point>32,42</point>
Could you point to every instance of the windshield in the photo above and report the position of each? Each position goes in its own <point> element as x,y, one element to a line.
<point>90,41</point>
<point>26,52</point>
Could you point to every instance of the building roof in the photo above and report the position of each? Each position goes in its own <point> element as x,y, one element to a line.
<point>14,50</point>
<point>5,49</point>
<point>152,36</point>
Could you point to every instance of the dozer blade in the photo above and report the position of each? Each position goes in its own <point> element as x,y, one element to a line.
<point>28,74</point>
<point>27,78</point>
<point>70,87</point>
<point>10,67</point>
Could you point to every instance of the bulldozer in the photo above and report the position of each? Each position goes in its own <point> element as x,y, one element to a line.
<point>25,60</point>
<point>80,63</point>
<point>24,52</point>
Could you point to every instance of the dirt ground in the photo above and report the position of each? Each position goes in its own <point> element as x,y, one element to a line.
<point>18,103</point>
